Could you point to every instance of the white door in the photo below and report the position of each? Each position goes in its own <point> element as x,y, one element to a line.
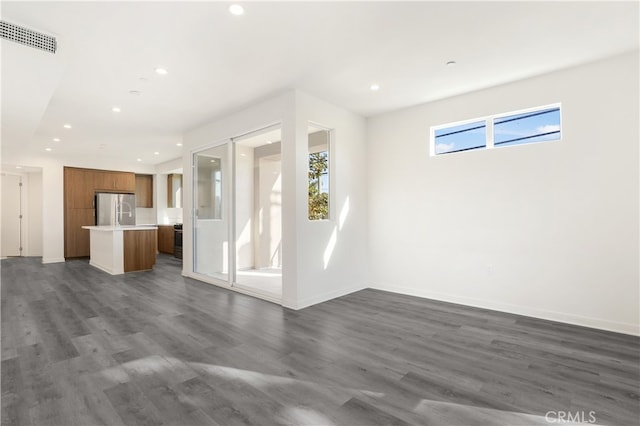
<point>11,216</point>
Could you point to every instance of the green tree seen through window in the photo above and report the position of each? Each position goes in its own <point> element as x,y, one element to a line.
<point>318,191</point>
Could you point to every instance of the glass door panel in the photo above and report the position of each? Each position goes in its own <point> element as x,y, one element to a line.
<point>211,174</point>
<point>258,215</point>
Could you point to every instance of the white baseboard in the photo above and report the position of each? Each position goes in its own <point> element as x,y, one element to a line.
<point>104,268</point>
<point>598,323</point>
<point>287,303</point>
<point>290,304</point>
<point>314,300</point>
<point>53,260</point>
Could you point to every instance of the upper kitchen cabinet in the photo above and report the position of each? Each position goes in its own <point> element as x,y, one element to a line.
<point>174,190</point>
<point>115,181</point>
<point>78,188</point>
<point>125,181</point>
<point>144,191</point>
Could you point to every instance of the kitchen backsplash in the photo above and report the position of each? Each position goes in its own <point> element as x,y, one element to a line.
<point>171,216</point>
<point>145,216</point>
<point>164,217</point>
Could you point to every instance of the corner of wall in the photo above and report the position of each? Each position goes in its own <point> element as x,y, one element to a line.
<point>544,229</point>
<point>46,260</point>
<point>324,297</point>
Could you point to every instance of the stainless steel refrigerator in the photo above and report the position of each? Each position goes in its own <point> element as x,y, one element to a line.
<point>115,209</point>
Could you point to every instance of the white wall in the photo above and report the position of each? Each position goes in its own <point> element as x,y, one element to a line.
<point>332,254</point>
<point>53,220</point>
<point>548,230</point>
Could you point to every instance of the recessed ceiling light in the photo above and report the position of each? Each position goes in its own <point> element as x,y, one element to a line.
<point>450,63</point>
<point>269,141</point>
<point>213,161</point>
<point>56,139</point>
<point>18,167</point>
<point>135,92</point>
<point>48,149</point>
<point>374,87</point>
<point>116,109</point>
<point>178,144</point>
<point>236,9</point>
<point>139,159</point>
<point>162,71</point>
<point>67,126</point>
<point>156,153</point>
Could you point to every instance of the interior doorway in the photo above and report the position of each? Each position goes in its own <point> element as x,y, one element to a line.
<point>11,215</point>
<point>22,209</point>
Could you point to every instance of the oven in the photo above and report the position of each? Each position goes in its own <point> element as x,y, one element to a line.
<point>177,240</point>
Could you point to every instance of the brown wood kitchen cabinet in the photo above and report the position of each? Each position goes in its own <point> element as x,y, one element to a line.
<point>80,186</point>
<point>114,181</point>
<point>125,182</point>
<point>76,239</point>
<point>165,239</point>
<point>144,191</point>
<point>139,250</point>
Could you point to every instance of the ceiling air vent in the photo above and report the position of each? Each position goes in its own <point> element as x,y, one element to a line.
<point>27,37</point>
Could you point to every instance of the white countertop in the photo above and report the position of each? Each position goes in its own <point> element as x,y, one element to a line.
<point>121,228</point>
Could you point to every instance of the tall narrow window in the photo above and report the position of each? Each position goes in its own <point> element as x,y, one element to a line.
<point>319,176</point>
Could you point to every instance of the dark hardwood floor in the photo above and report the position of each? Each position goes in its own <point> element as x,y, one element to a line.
<point>81,347</point>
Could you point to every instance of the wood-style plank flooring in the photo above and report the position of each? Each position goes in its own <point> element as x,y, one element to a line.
<point>81,347</point>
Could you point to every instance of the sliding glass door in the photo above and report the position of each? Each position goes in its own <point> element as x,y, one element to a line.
<point>237,205</point>
<point>211,178</point>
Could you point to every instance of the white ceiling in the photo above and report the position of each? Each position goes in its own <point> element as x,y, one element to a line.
<point>218,62</point>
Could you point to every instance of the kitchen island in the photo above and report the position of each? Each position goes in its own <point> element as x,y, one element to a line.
<point>120,249</point>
